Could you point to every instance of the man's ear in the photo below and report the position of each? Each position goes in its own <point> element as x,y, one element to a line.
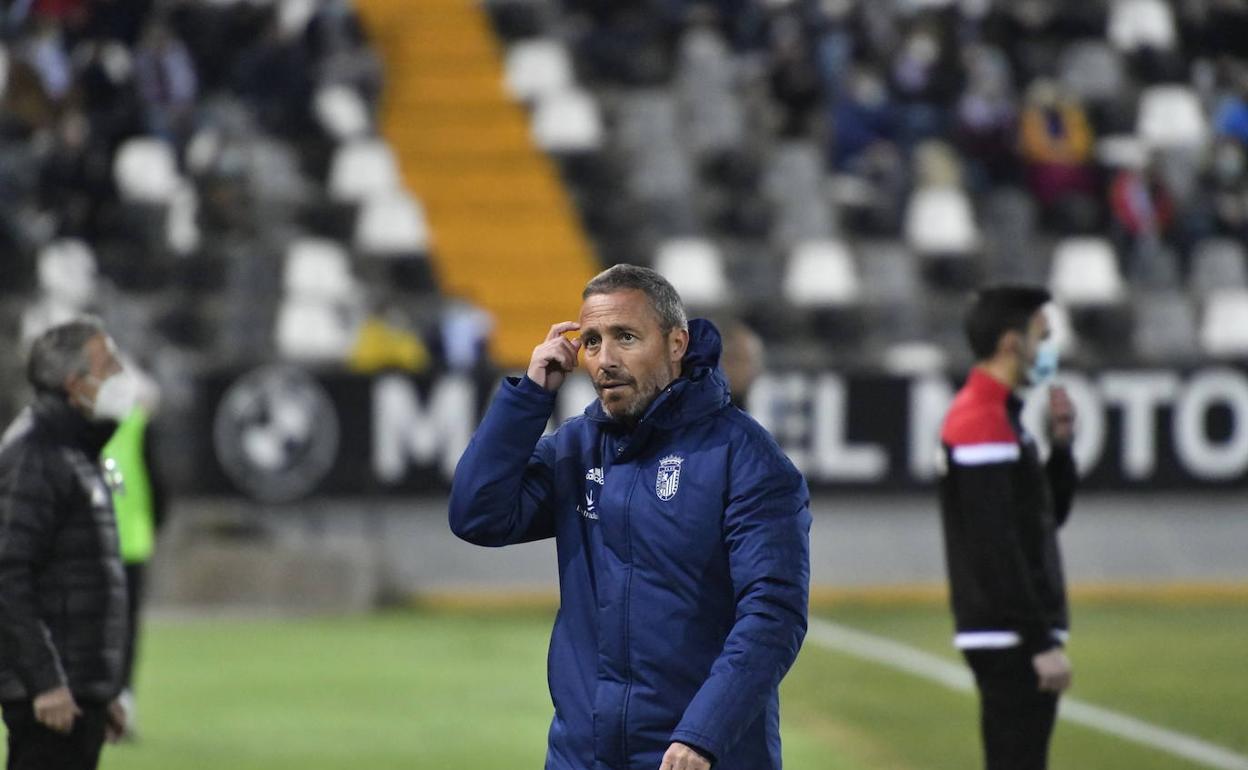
<point>677,344</point>
<point>1010,342</point>
<point>71,387</point>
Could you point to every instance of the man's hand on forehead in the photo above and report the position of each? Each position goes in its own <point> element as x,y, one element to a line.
<point>555,356</point>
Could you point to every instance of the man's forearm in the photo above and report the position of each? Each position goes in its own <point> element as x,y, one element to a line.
<point>500,490</point>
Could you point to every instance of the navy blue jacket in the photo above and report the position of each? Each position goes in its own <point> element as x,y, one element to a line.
<point>684,565</point>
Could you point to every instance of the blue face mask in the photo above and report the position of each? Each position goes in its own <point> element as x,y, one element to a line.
<point>1044,367</point>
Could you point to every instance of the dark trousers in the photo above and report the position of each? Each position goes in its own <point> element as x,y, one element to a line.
<point>136,590</point>
<point>1015,718</point>
<point>34,747</point>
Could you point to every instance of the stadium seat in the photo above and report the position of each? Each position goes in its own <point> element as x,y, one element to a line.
<point>1122,151</point>
<point>1085,273</point>
<point>567,123</point>
<point>341,112</point>
<point>68,273</point>
<point>714,117</point>
<point>313,331</point>
<point>182,234</point>
<point>793,183</point>
<point>146,170</point>
<point>537,68</point>
<point>1011,218</point>
<point>517,19</point>
<point>695,267</point>
<point>41,315</point>
<point>293,17</point>
<point>940,221</point>
<point>1171,117</point>
<point>1091,70</point>
<point>202,149</point>
<point>660,169</point>
<point>362,169</point>
<point>1224,324</point>
<point>1062,329</point>
<point>704,60</point>
<point>914,358</point>
<point>392,225</point>
<point>1218,263</point>
<point>889,277</point>
<point>1165,326</point>
<point>1135,24</point>
<point>821,274</point>
<point>317,269</point>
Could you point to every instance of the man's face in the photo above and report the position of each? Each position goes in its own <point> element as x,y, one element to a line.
<point>102,363</point>
<point>627,355</point>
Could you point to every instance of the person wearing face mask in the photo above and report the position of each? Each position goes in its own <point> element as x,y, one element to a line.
<point>62,584</point>
<point>1001,508</point>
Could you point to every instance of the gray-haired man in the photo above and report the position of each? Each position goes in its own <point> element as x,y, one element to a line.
<point>62,585</point>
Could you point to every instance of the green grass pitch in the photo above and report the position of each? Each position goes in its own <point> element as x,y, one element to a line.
<point>454,690</point>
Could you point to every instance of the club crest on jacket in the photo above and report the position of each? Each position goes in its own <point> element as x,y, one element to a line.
<point>668,479</point>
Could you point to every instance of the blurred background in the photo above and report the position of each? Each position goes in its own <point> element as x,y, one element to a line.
<point>323,229</point>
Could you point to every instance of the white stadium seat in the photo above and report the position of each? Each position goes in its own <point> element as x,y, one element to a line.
<point>1085,273</point>
<point>313,331</point>
<point>567,122</point>
<point>1092,70</point>
<point>940,220</point>
<point>317,269</point>
<point>1224,325</point>
<point>1134,24</point>
<point>392,225</point>
<point>914,358</point>
<point>68,273</point>
<point>1122,151</point>
<point>1171,117</point>
<point>696,268</point>
<point>341,112</point>
<point>821,273</point>
<point>362,169</point>
<point>535,68</point>
<point>146,170</point>
<point>182,226</point>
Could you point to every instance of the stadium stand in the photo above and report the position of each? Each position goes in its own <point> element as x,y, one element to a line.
<point>836,173</point>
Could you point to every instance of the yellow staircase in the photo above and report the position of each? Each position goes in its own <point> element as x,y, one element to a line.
<point>505,234</point>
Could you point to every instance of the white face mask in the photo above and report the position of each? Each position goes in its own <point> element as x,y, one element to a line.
<point>117,395</point>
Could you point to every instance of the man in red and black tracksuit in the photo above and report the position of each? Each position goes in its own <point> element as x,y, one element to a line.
<point>1001,508</point>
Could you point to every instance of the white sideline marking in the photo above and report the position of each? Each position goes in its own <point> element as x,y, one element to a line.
<point>903,657</point>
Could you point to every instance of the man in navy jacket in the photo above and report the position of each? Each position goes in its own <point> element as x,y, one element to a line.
<point>682,534</point>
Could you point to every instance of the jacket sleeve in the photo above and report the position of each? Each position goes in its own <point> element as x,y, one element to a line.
<point>503,488</point>
<point>1063,478</point>
<point>985,499</point>
<point>767,535</point>
<point>27,529</point>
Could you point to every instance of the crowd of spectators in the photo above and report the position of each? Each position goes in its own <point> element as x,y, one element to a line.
<point>162,161</point>
<point>833,172</point>
<point>973,137</point>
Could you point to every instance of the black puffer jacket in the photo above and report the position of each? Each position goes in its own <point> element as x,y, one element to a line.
<point>62,585</point>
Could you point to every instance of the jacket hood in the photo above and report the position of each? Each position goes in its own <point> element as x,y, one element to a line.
<point>705,346</point>
<point>701,389</point>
